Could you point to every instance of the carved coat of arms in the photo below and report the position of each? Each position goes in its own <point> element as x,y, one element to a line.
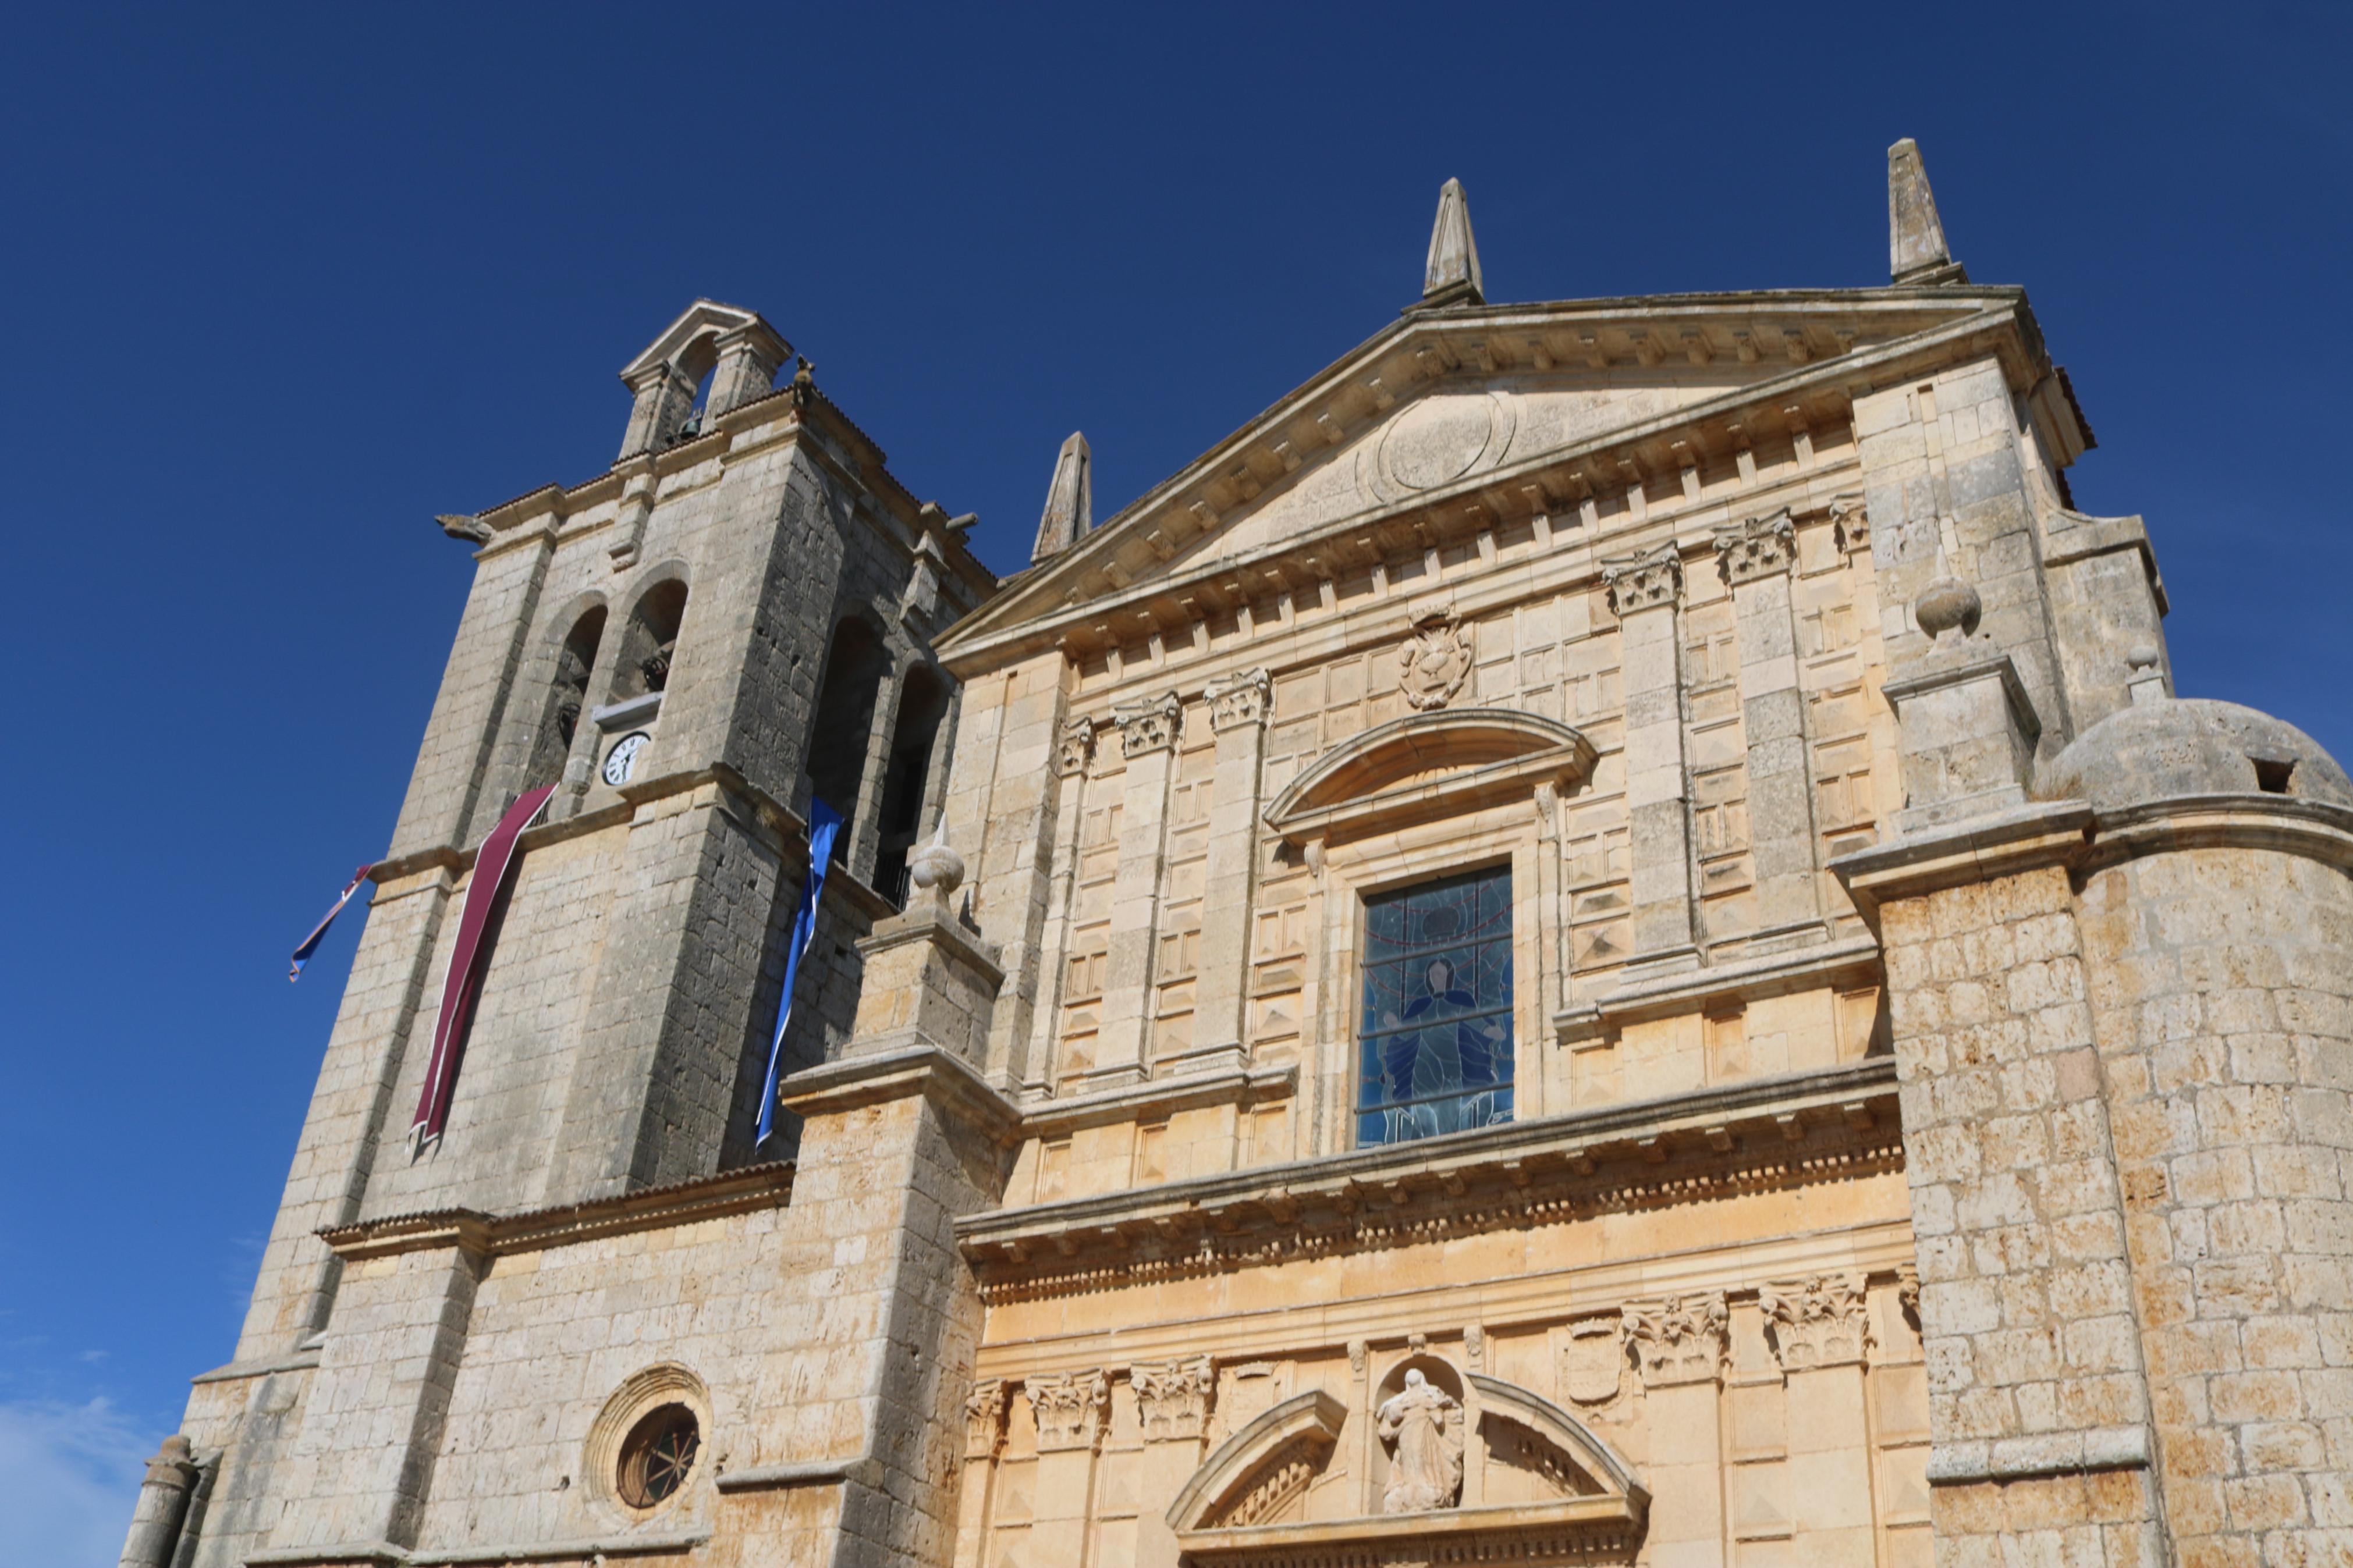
<point>1435,660</point>
<point>1594,1361</point>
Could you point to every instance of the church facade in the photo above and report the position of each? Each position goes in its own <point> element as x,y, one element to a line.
<point>1597,939</point>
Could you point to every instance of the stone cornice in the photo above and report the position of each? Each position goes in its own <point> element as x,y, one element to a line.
<point>487,1235</point>
<point>384,1554</point>
<point>790,833</point>
<point>1973,851</point>
<point>1159,1096</point>
<point>947,1081</point>
<point>765,422</point>
<point>1771,1133</point>
<point>1771,975</point>
<point>1019,622</point>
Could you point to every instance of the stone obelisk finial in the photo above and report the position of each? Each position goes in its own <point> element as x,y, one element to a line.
<point>1916,251</point>
<point>1451,274</point>
<point>1070,501</point>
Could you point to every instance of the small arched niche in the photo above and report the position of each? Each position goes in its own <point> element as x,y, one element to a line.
<point>906,776</point>
<point>844,722</point>
<point>651,644</point>
<point>567,699</point>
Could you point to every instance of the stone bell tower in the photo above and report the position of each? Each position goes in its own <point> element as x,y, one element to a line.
<point>733,620</point>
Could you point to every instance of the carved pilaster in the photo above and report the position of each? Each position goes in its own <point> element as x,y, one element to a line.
<point>984,1418</point>
<point>1816,1322</point>
<point>1069,1409</point>
<point>1150,724</point>
<point>1645,581</point>
<point>1240,700</point>
<point>1759,547</point>
<point>1075,747</point>
<point>1680,1339</point>
<point>1173,1400</point>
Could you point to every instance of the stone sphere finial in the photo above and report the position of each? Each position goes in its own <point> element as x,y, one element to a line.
<point>1947,610</point>
<point>2141,655</point>
<point>935,868</point>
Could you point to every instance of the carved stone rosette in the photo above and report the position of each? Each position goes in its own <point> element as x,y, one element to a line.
<point>1074,748</point>
<point>1069,1409</point>
<point>1680,1339</point>
<point>1816,1322</point>
<point>1150,724</point>
<point>984,1418</point>
<point>1240,700</point>
<point>1759,547</point>
<point>1434,660</point>
<point>1173,1400</point>
<point>1644,582</point>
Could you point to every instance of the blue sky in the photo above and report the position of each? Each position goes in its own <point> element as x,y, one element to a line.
<point>283,283</point>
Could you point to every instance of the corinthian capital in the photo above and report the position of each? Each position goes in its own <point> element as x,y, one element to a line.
<point>1174,1399</point>
<point>1680,1339</point>
<point>1759,547</point>
<point>1149,724</point>
<point>1646,582</point>
<point>1238,699</point>
<point>1075,747</point>
<point>1817,1321</point>
<point>984,1418</point>
<point>1069,1408</point>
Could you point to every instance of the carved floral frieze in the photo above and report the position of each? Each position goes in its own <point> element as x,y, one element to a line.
<point>1817,1321</point>
<point>1434,660</point>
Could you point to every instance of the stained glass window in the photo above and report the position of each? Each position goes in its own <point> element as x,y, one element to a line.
<point>1435,1040</point>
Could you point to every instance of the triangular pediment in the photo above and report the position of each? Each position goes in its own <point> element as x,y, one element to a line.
<point>699,328</point>
<point>1466,408</point>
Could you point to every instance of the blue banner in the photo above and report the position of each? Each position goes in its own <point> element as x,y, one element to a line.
<point>825,827</point>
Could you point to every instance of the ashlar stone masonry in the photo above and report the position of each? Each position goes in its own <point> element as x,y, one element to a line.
<point>1599,939</point>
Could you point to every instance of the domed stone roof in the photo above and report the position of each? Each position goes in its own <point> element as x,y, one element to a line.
<point>2152,750</point>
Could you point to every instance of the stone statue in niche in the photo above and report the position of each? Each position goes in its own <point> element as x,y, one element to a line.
<point>1434,661</point>
<point>1423,1427</point>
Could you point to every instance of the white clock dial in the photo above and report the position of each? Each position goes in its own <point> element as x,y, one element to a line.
<point>622,759</point>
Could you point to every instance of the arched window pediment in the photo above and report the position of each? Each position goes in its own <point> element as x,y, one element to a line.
<point>1430,764</point>
<point>1240,1509</point>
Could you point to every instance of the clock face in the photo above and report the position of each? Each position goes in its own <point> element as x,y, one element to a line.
<point>622,759</point>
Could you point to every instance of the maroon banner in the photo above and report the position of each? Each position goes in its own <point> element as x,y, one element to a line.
<point>493,868</point>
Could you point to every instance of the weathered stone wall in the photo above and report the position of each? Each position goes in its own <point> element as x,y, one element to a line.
<point>2037,1394</point>
<point>2221,989</point>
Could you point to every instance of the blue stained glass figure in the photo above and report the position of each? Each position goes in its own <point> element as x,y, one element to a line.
<point>1436,1030</point>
